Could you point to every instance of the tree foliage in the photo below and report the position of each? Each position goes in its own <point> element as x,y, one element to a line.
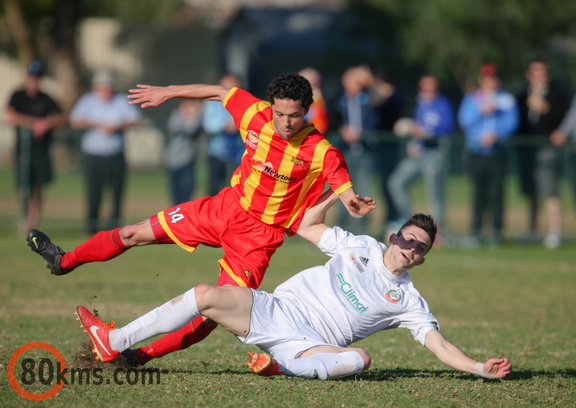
<point>152,12</point>
<point>47,30</point>
<point>450,37</point>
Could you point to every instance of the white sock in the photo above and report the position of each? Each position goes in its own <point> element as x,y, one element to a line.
<point>324,366</point>
<point>167,318</point>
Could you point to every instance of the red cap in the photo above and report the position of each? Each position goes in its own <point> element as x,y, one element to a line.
<point>489,70</point>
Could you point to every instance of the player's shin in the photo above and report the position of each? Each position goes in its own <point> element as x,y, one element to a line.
<point>103,246</point>
<point>167,318</point>
<point>325,366</point>
<point>181,339</point>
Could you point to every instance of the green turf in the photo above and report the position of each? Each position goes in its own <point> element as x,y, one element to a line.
<point>515,301</point>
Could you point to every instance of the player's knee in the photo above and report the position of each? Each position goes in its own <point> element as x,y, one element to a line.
<point>126,234</point>
<point>205,295</point>
<point>136,234</point>
<point>365,358</point>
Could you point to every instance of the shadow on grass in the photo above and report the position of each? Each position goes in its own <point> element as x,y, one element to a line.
<point>518,375</point>
<point>379,375</point>
<point>85,358</point>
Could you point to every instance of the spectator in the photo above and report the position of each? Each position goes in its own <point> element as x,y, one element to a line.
<point>34,114</point>
<point>318,114</point>
<point>561,135</point>
<point>355,118</point>
<point>389,105</point>
<point>184,127</point>
<point>488,116</point>
<point>542,107</point>
<point>427,151</point>
<point>225,146</point>
<point>104,116</point>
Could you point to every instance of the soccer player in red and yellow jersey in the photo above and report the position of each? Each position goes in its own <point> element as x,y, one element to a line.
<point>282,173</point>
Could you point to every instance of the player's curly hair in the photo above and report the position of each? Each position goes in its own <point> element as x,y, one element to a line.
<point>291,86</point>
<point>425,222</point>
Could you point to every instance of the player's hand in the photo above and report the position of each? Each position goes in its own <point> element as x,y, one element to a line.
<point>148,96</point>
<point>361,206</point>
<point>497,367</point>
<point>367,200</point>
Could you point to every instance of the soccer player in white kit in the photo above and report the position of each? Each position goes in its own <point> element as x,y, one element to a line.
<point>307,324</point>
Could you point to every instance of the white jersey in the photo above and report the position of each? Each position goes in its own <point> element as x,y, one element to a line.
<point>353,295</point>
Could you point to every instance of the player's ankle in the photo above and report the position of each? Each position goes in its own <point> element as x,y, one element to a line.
<point>144,354</point>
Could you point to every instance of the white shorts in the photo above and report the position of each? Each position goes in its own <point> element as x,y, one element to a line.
<point>279,328</point>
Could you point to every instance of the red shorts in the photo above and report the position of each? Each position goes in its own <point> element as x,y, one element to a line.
<point>219,221</point>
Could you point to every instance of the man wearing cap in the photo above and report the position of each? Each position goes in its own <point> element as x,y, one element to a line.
<point>34,114</point>
<point>488,117</point>
<point>104,116</point>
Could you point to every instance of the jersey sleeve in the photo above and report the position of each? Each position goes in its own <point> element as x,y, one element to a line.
<point>335,171</point>
<point>419,320</point>
<point>241,104</point>
<point>334,239</point>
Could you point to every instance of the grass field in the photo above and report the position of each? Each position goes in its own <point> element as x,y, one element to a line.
<point>515,300</point>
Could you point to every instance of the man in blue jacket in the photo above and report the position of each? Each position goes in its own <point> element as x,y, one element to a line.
<point>426,151</point>
<point>488,117</point>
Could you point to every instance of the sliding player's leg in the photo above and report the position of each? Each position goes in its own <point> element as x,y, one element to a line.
<point>229,305</point>
<point>320,362</point>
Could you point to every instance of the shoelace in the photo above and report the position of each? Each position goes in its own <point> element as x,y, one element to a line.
<point>109,326</point>
<point>44,245</point>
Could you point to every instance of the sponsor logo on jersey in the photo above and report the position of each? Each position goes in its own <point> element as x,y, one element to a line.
<point>364,260</point>
<point>393,296</point>
<point>268,169</point>
<point>300,162</point>
<point>252,140</point>
<point>356,263</point>
<point>350,294</point>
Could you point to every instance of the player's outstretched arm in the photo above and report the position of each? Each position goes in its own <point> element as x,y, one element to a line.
<point>148,96</point>
<point>312,226</point>
<point>452,356</point>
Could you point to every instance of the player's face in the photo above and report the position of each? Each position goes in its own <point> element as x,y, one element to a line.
<point>407,249</point>
<point>288,116</point>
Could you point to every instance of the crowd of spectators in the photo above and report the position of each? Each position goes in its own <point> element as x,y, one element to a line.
<point>388,144</point>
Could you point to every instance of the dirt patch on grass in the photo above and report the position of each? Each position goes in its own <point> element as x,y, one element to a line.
<point>86,358</point>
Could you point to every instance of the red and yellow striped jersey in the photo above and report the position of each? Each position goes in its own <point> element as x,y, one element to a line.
<point>277,180</point>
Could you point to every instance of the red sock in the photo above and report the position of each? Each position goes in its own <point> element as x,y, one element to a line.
<point>188,335</point>
<point>103,246</point>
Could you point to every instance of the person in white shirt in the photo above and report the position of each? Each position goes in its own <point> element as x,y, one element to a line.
<point>306,326</point>
<point>104,116</point>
